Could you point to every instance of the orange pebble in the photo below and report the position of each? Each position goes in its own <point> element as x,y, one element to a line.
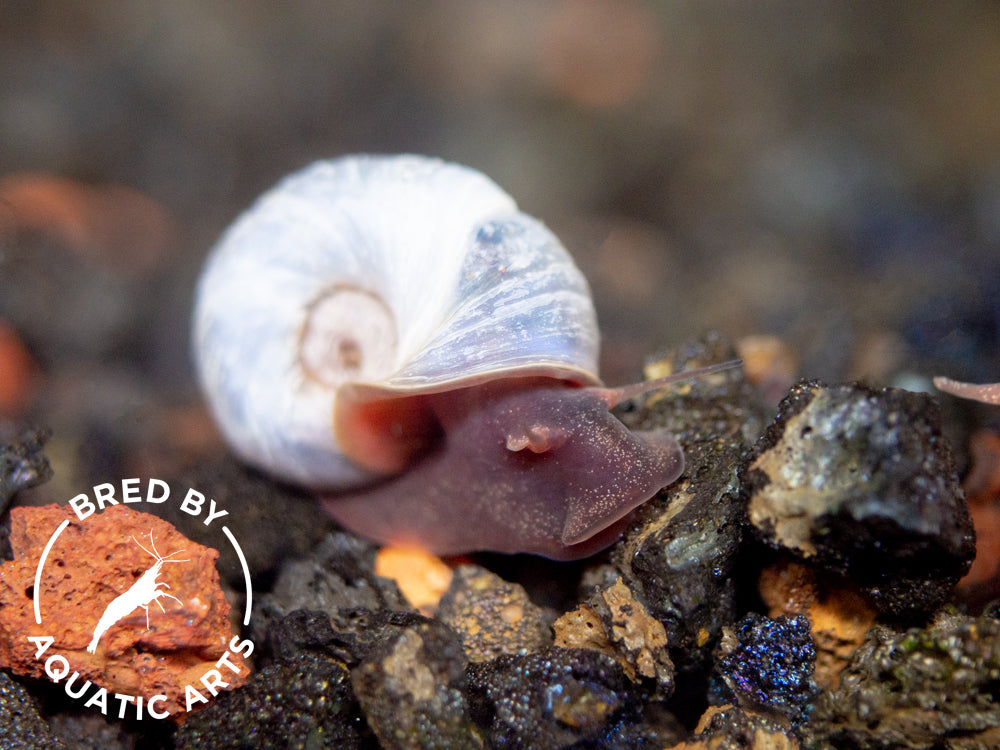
<point>422,577</point>
<point>770,364</point>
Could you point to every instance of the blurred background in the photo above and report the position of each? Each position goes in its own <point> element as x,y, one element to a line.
<point>824,174</point>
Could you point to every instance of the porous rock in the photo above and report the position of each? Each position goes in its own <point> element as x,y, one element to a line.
<point>90,730</point>
<point>22,464</point>
<point>304,702</point>
<point>339,572</point>
<point>550,699</point>
<point>311,631</point>
<point>679,551</point>
<point>90,565</point>
<point>862,483</point>
<point>337,575</point>
<point>923,688</point>
<point>349,635</point>
<point>767,666</point>
<point>411,687</point>
<point>735,728</point>
<point>492,616</point>
<point>21,726</point>
<point>614,622</point>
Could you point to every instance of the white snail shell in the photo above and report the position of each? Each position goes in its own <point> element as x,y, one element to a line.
<point>372,274</point>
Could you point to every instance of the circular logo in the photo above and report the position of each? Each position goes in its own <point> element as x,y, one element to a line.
<point>128,613</point>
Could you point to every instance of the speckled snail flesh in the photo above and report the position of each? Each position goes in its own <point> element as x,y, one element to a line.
<point>394,333</point>
<point>987,393</point>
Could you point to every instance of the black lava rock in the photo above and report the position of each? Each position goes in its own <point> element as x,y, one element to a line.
<point>336,578</point>
<point>303,702</point>
<point>680,555</point>
<point>349,635</point>
<point>862,483</point>
<point>282,521</point>
<point>411,687</point>
<point>550,699</point>
<point>314,631</point>
<point>679,552</point>
<point>22,464</point>
<point>21,727</point>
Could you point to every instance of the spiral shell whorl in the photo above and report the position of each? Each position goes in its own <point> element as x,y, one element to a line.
<point>399,274</point>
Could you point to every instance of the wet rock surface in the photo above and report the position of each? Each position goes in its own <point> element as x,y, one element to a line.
<point>767,666</point>
<point>915,688</point>
<point>22,463</point>
<point>338,573</point>
<point>680,550</point>
<point>337,578</point>
<point>550,699</point>
<point>21,725</point>
<point>303,702</point>
<point>411,688</point>
<point>861,483</point>
<point>493,617</point>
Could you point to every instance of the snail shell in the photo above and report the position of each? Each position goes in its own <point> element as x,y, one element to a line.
<point>368,278</point>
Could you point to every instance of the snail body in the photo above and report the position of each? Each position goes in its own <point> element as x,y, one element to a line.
<point>394,333</point>
<point>987,393</point>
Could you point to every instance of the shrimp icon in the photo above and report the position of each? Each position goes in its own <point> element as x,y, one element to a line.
<point>139,594</point>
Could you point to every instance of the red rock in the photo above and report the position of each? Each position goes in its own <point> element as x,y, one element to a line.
<point>982,489</point>
<point>91,563</point>
<point>18,374</point>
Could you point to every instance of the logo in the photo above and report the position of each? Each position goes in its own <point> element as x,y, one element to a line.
<point>139,594</point>
<point>149,654</point>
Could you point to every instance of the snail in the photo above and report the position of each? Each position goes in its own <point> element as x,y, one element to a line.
<point>392,332</point>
